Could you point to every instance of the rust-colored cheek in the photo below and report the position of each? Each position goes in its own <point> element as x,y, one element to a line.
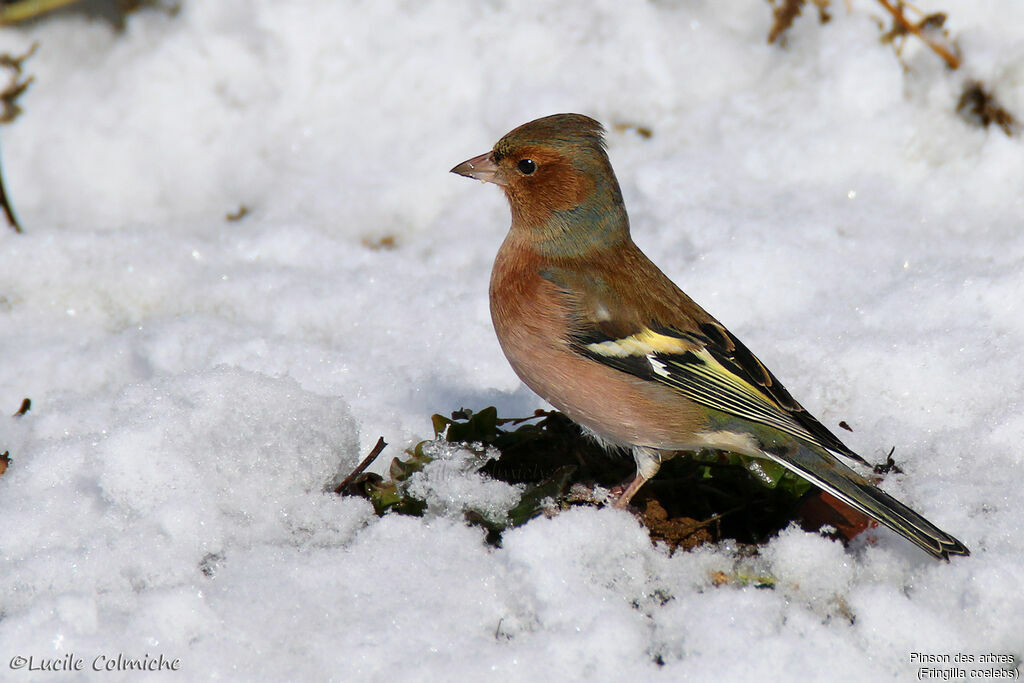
<point>557,186</point>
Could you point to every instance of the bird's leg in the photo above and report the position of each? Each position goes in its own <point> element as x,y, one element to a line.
<point>622,501</point>
<point>648,462</point>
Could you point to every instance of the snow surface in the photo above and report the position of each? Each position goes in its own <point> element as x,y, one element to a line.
<point>196,383</point>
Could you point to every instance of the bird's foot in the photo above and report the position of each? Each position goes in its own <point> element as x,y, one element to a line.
<point>624,494</point>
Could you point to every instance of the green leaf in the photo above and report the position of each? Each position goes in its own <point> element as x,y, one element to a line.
<point>531,503</point>
<point>440,423</point>
<point>401,470</point>
<point>481,426</point>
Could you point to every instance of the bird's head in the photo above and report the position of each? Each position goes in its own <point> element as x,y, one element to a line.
<point>558,180</point>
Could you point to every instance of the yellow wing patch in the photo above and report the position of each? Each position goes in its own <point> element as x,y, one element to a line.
<point>643,343</point>
<point>692,370</point>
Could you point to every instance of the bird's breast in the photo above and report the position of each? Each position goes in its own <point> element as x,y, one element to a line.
<point>532,317</point>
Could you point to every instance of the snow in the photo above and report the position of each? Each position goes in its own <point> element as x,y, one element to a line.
<point>197,383</point>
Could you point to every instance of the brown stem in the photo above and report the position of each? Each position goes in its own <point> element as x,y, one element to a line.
<point>5,205</point>
<point>374,452</point>
<point>897,13</point>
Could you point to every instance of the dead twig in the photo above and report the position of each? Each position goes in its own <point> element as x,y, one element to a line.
<point>16,87</point>
<point>921,29</point>
<point>377,449</point>
<point>12,220</point>
<point>9,110</point>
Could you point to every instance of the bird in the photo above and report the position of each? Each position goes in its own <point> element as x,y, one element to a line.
<point>596,329</point>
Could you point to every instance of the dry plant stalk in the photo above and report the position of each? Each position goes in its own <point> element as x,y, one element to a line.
<point>924,29</point>
<point>977,105</point>
<point>12,220</point>
<point>786,12</point>
<point>9,110</point>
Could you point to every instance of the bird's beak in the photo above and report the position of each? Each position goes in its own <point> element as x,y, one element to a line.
<point>481,168</point>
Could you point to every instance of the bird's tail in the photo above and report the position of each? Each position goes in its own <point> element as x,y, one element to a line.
<point>828,473</point>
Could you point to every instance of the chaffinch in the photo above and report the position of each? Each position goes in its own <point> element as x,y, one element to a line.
<point>596,329</point>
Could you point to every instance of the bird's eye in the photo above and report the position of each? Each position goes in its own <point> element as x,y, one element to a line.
<point>527,166</point>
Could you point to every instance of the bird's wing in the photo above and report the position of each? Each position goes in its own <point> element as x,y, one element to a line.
<point>710,367</point>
